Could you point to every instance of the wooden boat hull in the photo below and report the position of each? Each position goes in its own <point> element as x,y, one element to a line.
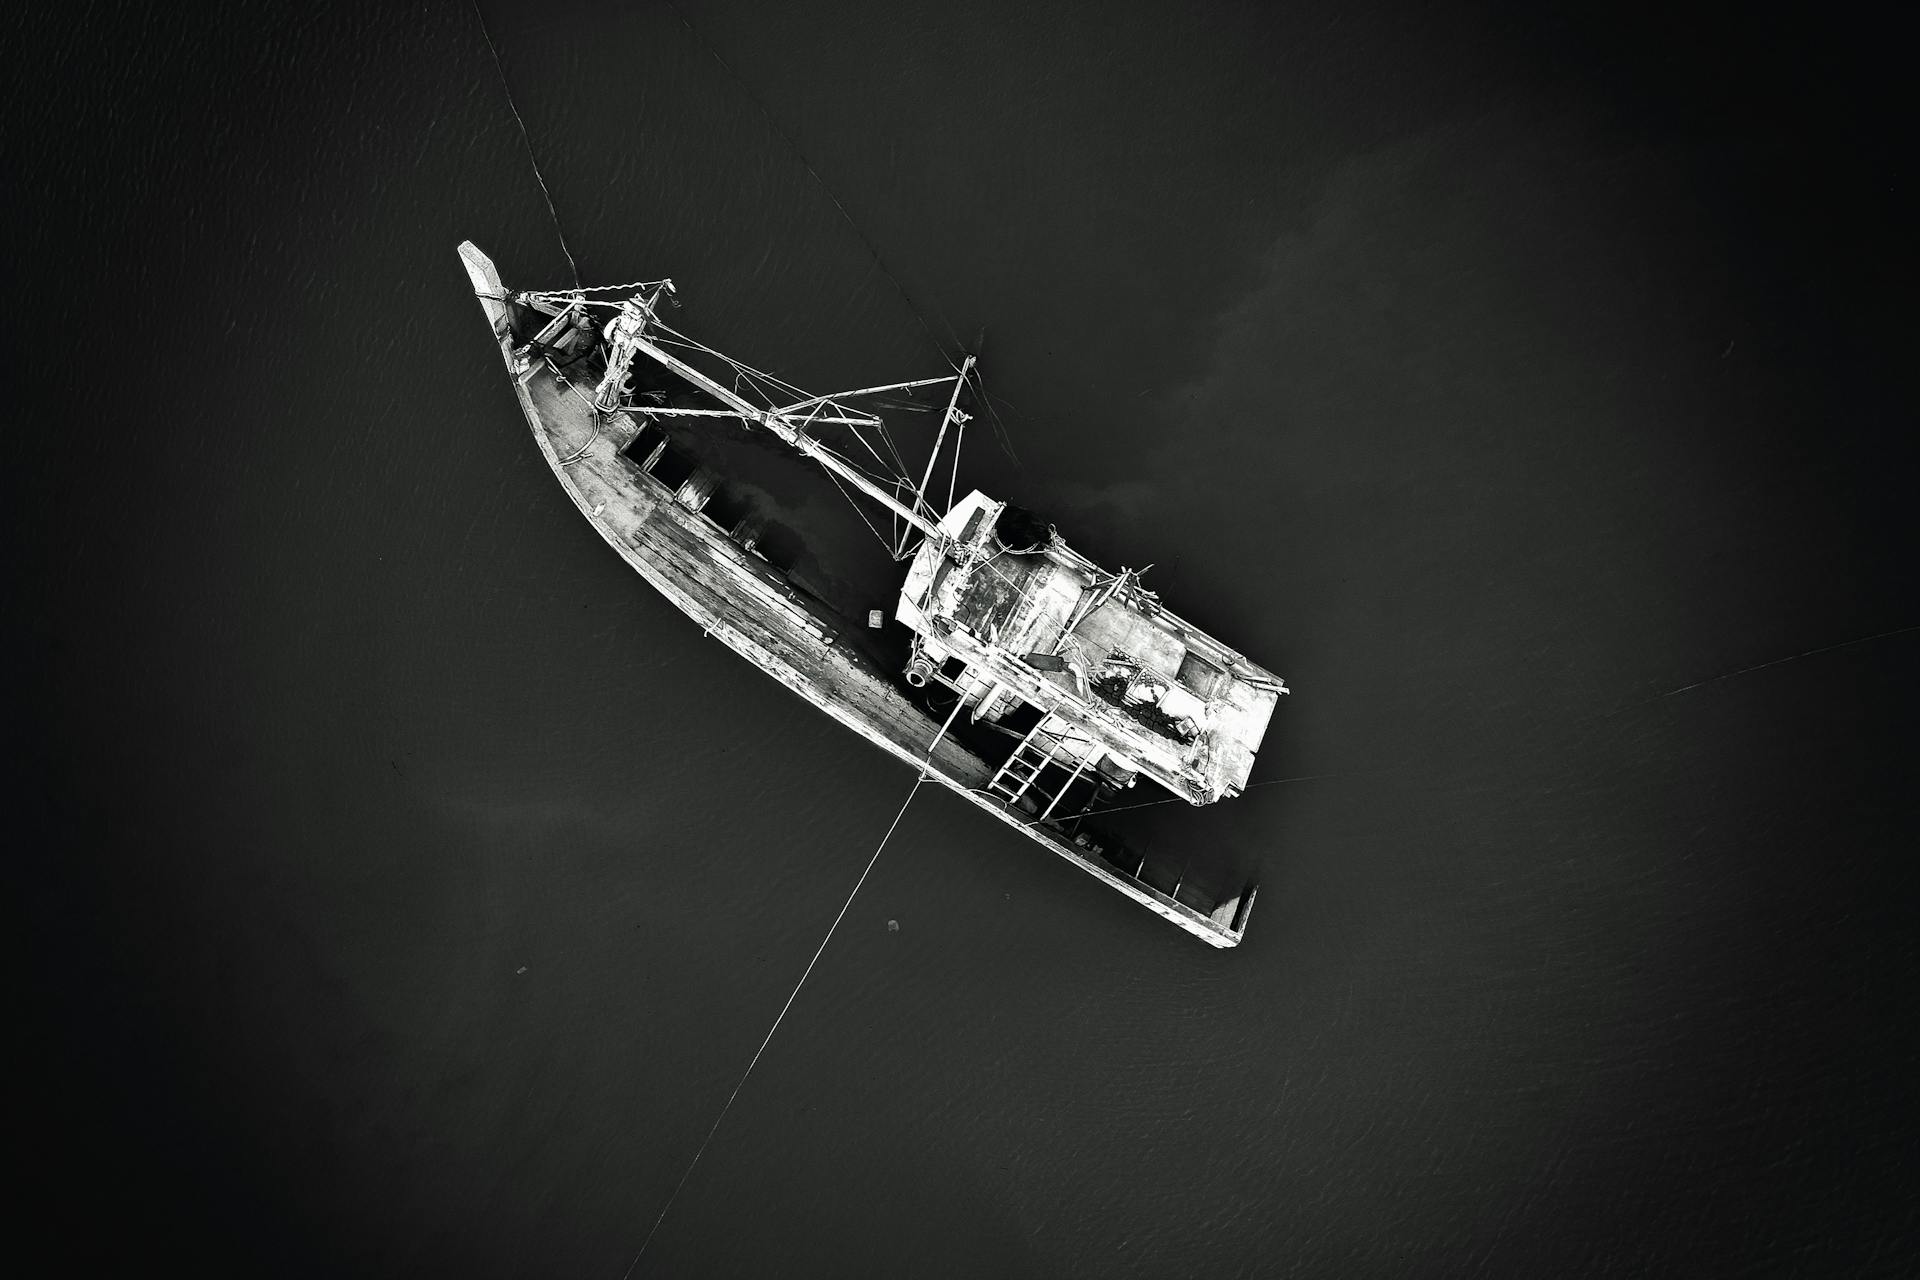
<point>737,599</point>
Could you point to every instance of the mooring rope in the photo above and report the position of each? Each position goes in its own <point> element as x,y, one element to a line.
<point>818,951</point>
<point>526,139</point>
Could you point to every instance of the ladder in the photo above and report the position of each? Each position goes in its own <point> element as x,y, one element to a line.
<point>1015,778</point>
<point>1023,768</point>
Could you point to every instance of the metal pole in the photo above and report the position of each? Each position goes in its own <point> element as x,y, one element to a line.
<point>958,702</point>
<point>945,418</point>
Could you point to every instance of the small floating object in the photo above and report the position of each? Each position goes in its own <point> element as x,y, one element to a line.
<point>893,926</point>
<point>874,618</point>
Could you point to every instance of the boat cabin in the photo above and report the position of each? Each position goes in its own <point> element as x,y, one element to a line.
<point>1007,615</point>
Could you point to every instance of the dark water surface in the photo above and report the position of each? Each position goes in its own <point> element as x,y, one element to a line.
<point>406,884</point>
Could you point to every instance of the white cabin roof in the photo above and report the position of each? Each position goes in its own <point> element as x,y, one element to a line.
<point>1093,646</point>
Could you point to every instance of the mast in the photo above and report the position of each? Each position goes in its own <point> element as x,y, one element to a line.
<point>952,415</point>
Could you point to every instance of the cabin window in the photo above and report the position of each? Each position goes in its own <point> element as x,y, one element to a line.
<point>641,448</point>
<point>673,467</point>
<point>778,545</point>
<point>726,509</point>
<point>1201,677</point>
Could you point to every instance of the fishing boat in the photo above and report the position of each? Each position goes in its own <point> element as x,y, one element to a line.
<point>1047,691</point>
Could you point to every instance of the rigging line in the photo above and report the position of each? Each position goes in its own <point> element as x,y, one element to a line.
<point>752,374</point>
<point>1000,435</point>
<point>1882,635</point>
<point>899,464</point>
<point>815,175</point>
<point>552,296</point>
<point>953,477</point>
<point>855,432</point>
<point>851,465</point>
<point>887,436</point>
<point>818,951</point>
<point>528,141</point>
<point>865,443</point>
<point>858,511</point>
<point>754,378</point>
<point>696,345</point>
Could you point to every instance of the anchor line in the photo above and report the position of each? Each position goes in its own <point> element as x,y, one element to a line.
<point>818,952</point>
<point>527,140</point>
